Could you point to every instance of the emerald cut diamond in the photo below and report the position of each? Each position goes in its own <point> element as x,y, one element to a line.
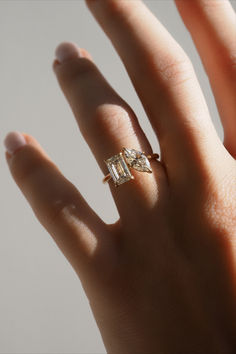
<point>118,169</point>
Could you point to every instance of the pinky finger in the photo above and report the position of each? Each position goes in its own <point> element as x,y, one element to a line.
<point>55,201</point>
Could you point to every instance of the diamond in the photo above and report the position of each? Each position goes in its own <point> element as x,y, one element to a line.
<point>118,169</point>
<point>137,160</point>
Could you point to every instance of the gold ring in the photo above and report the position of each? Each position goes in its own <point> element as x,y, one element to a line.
<point>119,165</point>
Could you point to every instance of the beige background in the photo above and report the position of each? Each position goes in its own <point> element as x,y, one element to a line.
<point>42,306</point>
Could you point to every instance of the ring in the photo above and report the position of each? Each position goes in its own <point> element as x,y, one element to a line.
<point>119,165</point>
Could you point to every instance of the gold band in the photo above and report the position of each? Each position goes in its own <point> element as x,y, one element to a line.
<point>132,159</point>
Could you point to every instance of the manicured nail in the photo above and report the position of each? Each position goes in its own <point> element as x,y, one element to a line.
<point>66,51</point>
<point>13,142</point>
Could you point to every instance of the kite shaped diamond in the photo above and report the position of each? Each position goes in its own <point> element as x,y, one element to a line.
<point>137,160</point>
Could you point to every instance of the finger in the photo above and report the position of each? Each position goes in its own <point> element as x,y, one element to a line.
<point>108,124</point>
<point>212,25</point>
<point>164,80</point>
<point>57,204</point>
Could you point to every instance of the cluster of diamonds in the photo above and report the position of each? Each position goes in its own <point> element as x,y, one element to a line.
<point>119,165</point>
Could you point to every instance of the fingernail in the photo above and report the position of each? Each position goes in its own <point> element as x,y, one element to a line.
<point>66,51</point>
<point>13,142</point>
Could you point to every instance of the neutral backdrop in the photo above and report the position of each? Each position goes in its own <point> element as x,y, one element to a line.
<point>42,305</point>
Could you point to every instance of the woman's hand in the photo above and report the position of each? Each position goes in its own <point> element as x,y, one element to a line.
<point>162,279</point>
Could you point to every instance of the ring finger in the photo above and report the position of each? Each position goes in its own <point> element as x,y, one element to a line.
<point>107,124</point>
<point>165,81</point>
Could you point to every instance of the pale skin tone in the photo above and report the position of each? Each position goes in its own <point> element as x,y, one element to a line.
<point>162,279</point>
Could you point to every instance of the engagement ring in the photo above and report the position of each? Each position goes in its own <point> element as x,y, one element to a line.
<point>119,165</point>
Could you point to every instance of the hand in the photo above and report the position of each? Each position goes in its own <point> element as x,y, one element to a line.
<point>162,278</point>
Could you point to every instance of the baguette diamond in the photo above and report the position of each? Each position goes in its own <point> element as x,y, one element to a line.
<point>118,169</point>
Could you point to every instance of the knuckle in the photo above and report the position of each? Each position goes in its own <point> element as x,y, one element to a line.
<point>176,70</point>
<point>113,121</point>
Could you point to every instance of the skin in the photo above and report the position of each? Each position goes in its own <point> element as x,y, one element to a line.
<point>162,279</point>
